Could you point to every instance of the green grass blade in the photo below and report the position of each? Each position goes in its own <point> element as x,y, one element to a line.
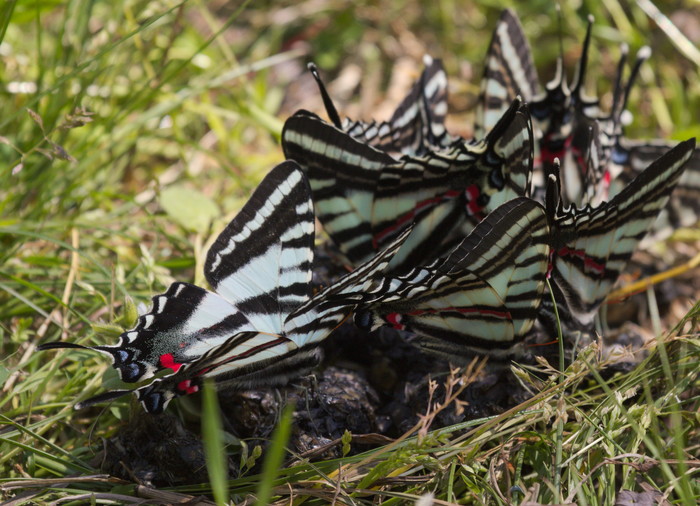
<point>5,15</point>
<point>274,457</point>
<point>212,434</point>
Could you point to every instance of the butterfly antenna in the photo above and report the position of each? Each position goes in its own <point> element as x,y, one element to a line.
<point>327,102</point>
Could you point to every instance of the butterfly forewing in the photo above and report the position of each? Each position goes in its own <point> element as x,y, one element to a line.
<point>683,208</point>
<point>417,125</point>
<point>509,73</point>
<point>262,259</point>
<point>343,174</point>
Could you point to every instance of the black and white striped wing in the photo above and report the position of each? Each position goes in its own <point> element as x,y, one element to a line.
<point>332,305</point>
<point>595,244</point>
<point>683,208</point>
<point>446,193</point>
<point>262,259</point>
<point>260,268</point>
<point>512,257</point>
<point>183,323</point>
<point>509,73</point>
<point>483,298</point>
<point>254,359</point>
<point>343,174</point>
<point>454,316</point>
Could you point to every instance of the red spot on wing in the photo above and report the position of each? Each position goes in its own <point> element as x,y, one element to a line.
<point>186,387</point>
<point>472,194</point>
<point>395,320</point>
<point>168,361</point>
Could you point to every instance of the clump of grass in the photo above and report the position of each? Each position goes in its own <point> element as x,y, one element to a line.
<point>113,110</point>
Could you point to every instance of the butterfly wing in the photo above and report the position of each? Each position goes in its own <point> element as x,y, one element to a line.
<point>260,267</point>
<point>247,360</point>
<point>509,73</point>
<point>482,297</point>
<point>512,256</point>
<point>418,124</point>
<point>261,261</point>
<point>182,324</point>
<point>343,174</point>
<point>446,193</point>
<point>683,208</point>
<point>326,310</point>
<point>257,359</point>
<point>595,244</point>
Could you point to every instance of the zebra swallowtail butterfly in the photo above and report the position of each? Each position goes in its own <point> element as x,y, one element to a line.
<point>364,198</point>
<point>562,116</point>
<point>261,325</point>
<point>482,299</point>
<point>566,120</point>
<point>417,125</point>
<point>592,245</point>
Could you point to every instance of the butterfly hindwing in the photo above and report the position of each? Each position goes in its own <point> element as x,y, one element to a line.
<point>595,244</point>
<point>483,297</point>
<point>512,258</point>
